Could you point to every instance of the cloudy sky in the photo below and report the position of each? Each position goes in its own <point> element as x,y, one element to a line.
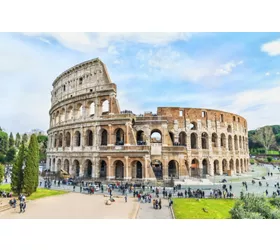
<point>235,72</point>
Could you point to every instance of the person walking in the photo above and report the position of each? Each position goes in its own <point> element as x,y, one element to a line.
<point>125,197</point>
<point>159,203</point>
<point>230,188</point>
<point>81,188</point>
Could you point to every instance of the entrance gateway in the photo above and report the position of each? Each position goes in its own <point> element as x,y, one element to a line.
<point>157,168</point>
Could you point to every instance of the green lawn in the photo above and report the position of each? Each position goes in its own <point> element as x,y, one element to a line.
<point>40,193</point>
<point>193,209</point>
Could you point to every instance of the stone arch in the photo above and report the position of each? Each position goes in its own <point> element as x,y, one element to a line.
<point>119,135</point>
<point>119,169</point>
<point>216,167</point>
<point>157,168</point>
<point>79,110</point>
<point>183,138</point>
<point>223,141</point>
<point>204,141</point>
<point>140,135</point>
<point>235,142</point>
<point>229,129</point>
<point>88,169</point>
<point>66,166</point>
<point>60,140</point>
<point>156,136</point>
<point>104,137</point>
<point>194,140</point>
<point>70,112</point>
<point>137,170</point>
<point>194,168</point>
<point>58,165</point>
<point>103,169</point>
<point>77,139</point>
<point>91,108</point>
<point>237,166</point>
<point>105,107</point>
<point>67,139</point>
<point>214,140</point>
<point>76,168</point>
<point>240,143</point>
<point>193,126</point>
<point>173,169</point>
<point>231,165</point>
<point>224,166</point>
<point>53,165</point>
<point>205,167</point>
<point>89,138</point>
<point>230,143</point>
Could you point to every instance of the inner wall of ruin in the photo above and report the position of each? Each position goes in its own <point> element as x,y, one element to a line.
<point>90,137</point>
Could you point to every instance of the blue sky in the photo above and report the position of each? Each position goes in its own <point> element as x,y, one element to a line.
<point>235,72</point>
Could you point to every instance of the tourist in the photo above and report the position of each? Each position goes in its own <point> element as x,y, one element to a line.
<point>125,197</point>
<point>81,188</point>
<point>185,193</point>
<point>159,203</point>
<point>74,188</point>
<point>154,203</point>
<point>230,188</point>
<point>170,203</point>
<point>266,192</point>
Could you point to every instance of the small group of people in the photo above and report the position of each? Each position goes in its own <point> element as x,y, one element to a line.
<point>4,194</point>
<point>157,203</point>
<point>22,203</point>
<point>144,198</point>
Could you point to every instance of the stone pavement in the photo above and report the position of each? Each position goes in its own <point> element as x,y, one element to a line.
<point>146,211</point>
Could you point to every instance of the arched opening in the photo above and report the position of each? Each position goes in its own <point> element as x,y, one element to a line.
<point>157,168</point>
<point>77,139</point>
<point>68,139</point>
<point>240,143</point>
<point>235,142</point>
<point>92,109</point>
<point>79,111</point>
<point>58,165</point>
<point>119,137</point>
<point>223,141</point>
<point>194,141</point>
<point>66,166</point>
<point>104,137</point>
<point>187,168</point>
<point>230,143</point>
<point>214,140</point>
<point>62,115</point>
<point>224,165</point>
<point>241,166</point>
<point>173,169</point>
<point>53,165</point>
<point>76,168</point>
<point>171,137</point>
<point>237,166</point>
<point>60,138</point>
<point>193,126</point>
<point>231,165</point>
<point>141,138</point>
<point>137,170</point>
<point>89,138</point>
<point>183,139</point>
<point>216,167</point>
<point>156,136</point>
<point>195,168</point>
<point>229,129</point>
<point>57,118</point>
<point>105,107</point>
<point>205,167</point>
<point>204,141</point>
<point>119,170</point>
<point>103,169</point>
<point>88,169</point>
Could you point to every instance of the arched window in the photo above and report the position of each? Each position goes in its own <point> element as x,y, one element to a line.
<point>105,107</point>
<point>104,136</point>
<point>68,139</point>
<point>230,143</point>
<point>103,171</point>
<point>183,139</point>
<point>60,140</point>
<point>92,109</point>
<point>235,142</point>
<point>205,167</point>
<point>141,138</point>
<point>156,136</point>
<point>89,138</point>
<point>119,137</point>
<point>229,129</point>
<point>214,140</point>
<point>194,141</point>
<point>76,168</point>
<point>204,141</point>
<point>223,141</point>
<point>173,167</point>
<point>77,139</point>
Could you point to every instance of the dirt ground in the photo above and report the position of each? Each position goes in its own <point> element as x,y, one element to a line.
<point>75,206</point>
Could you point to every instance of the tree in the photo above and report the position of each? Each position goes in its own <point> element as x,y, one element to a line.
<point>11,140</point>
<point>17,173</point>
<point>269,159</point>
<point>25,138</point>
<point>3,142</point>
<point>265,137</point>
<point>11,155</point>
<point>31,170</point>
<point>17,141</point>
<point>2,173</point>
<point>43,144</point>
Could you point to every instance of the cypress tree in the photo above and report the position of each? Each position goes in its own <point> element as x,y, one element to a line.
<point>11,140</point>
<point>25,138</point>
<point>2,172</point>
<point>31,169</point>
<point>17,173</point>
<point>17,142</point>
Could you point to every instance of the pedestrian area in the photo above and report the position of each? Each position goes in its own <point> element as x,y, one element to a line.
<point>146,211</point>
<point>75,206</point>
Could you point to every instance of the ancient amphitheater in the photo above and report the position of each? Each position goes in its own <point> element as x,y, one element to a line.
<point>90,136</point>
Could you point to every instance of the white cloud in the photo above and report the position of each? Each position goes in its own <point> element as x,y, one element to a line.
<point>227,68</point>
<point>271,48</point>
<point>86,42</point>
<point>267,73</point>
<point>278,73</point>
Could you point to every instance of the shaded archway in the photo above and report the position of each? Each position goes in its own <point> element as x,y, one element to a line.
<point>237,166</point>
<point>230,143</point>
<point>173,169</point>
<point>68,139</point>
<point>77,139</point>
<point>224,166</point>
<point>231,165</point>
<point>137,171</point>
<point>195,168</point>
<point>204,141</point>
<point>156,136</point>
<point>53,165</point>
<point>119,169</point>
<point>103,169</point>
<point>157,168</point>
<point>66,166</point>
<point>229,129</point>
<point>240,143</point>
<point>140,137</point>
<point>60,139</point>
<point>183,139</point>
<point>214,140</point>
<point>235,142</point>
<point>223,141</point>
<point>216,167</point>
<point>119,133</point>
<point>76,168</point>
<point>58,165</point>
<point>104,137</point>
<point>205,167</point>
<point>88,169</point>
<point>89,138</point>
<point>194,141</point>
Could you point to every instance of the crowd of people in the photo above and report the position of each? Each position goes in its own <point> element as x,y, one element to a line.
<point>22,203</point>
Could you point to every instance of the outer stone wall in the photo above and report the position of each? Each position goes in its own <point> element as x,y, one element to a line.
<point>89,136</point>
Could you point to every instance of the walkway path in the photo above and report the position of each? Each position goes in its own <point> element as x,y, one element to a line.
<point>146,211</point>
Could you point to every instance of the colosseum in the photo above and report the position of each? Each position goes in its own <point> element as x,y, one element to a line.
<point>91,137</point>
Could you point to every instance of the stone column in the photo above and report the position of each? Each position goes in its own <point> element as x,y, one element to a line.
<point>127,176</point>
<point>126,139</point>
<point>110,137</point>
<point>211,167</point>
<point>110,169</point>
<point>165,168</point>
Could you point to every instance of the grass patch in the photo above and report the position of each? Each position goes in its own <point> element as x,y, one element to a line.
<point>193,209</point>
<point>40,193</point>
